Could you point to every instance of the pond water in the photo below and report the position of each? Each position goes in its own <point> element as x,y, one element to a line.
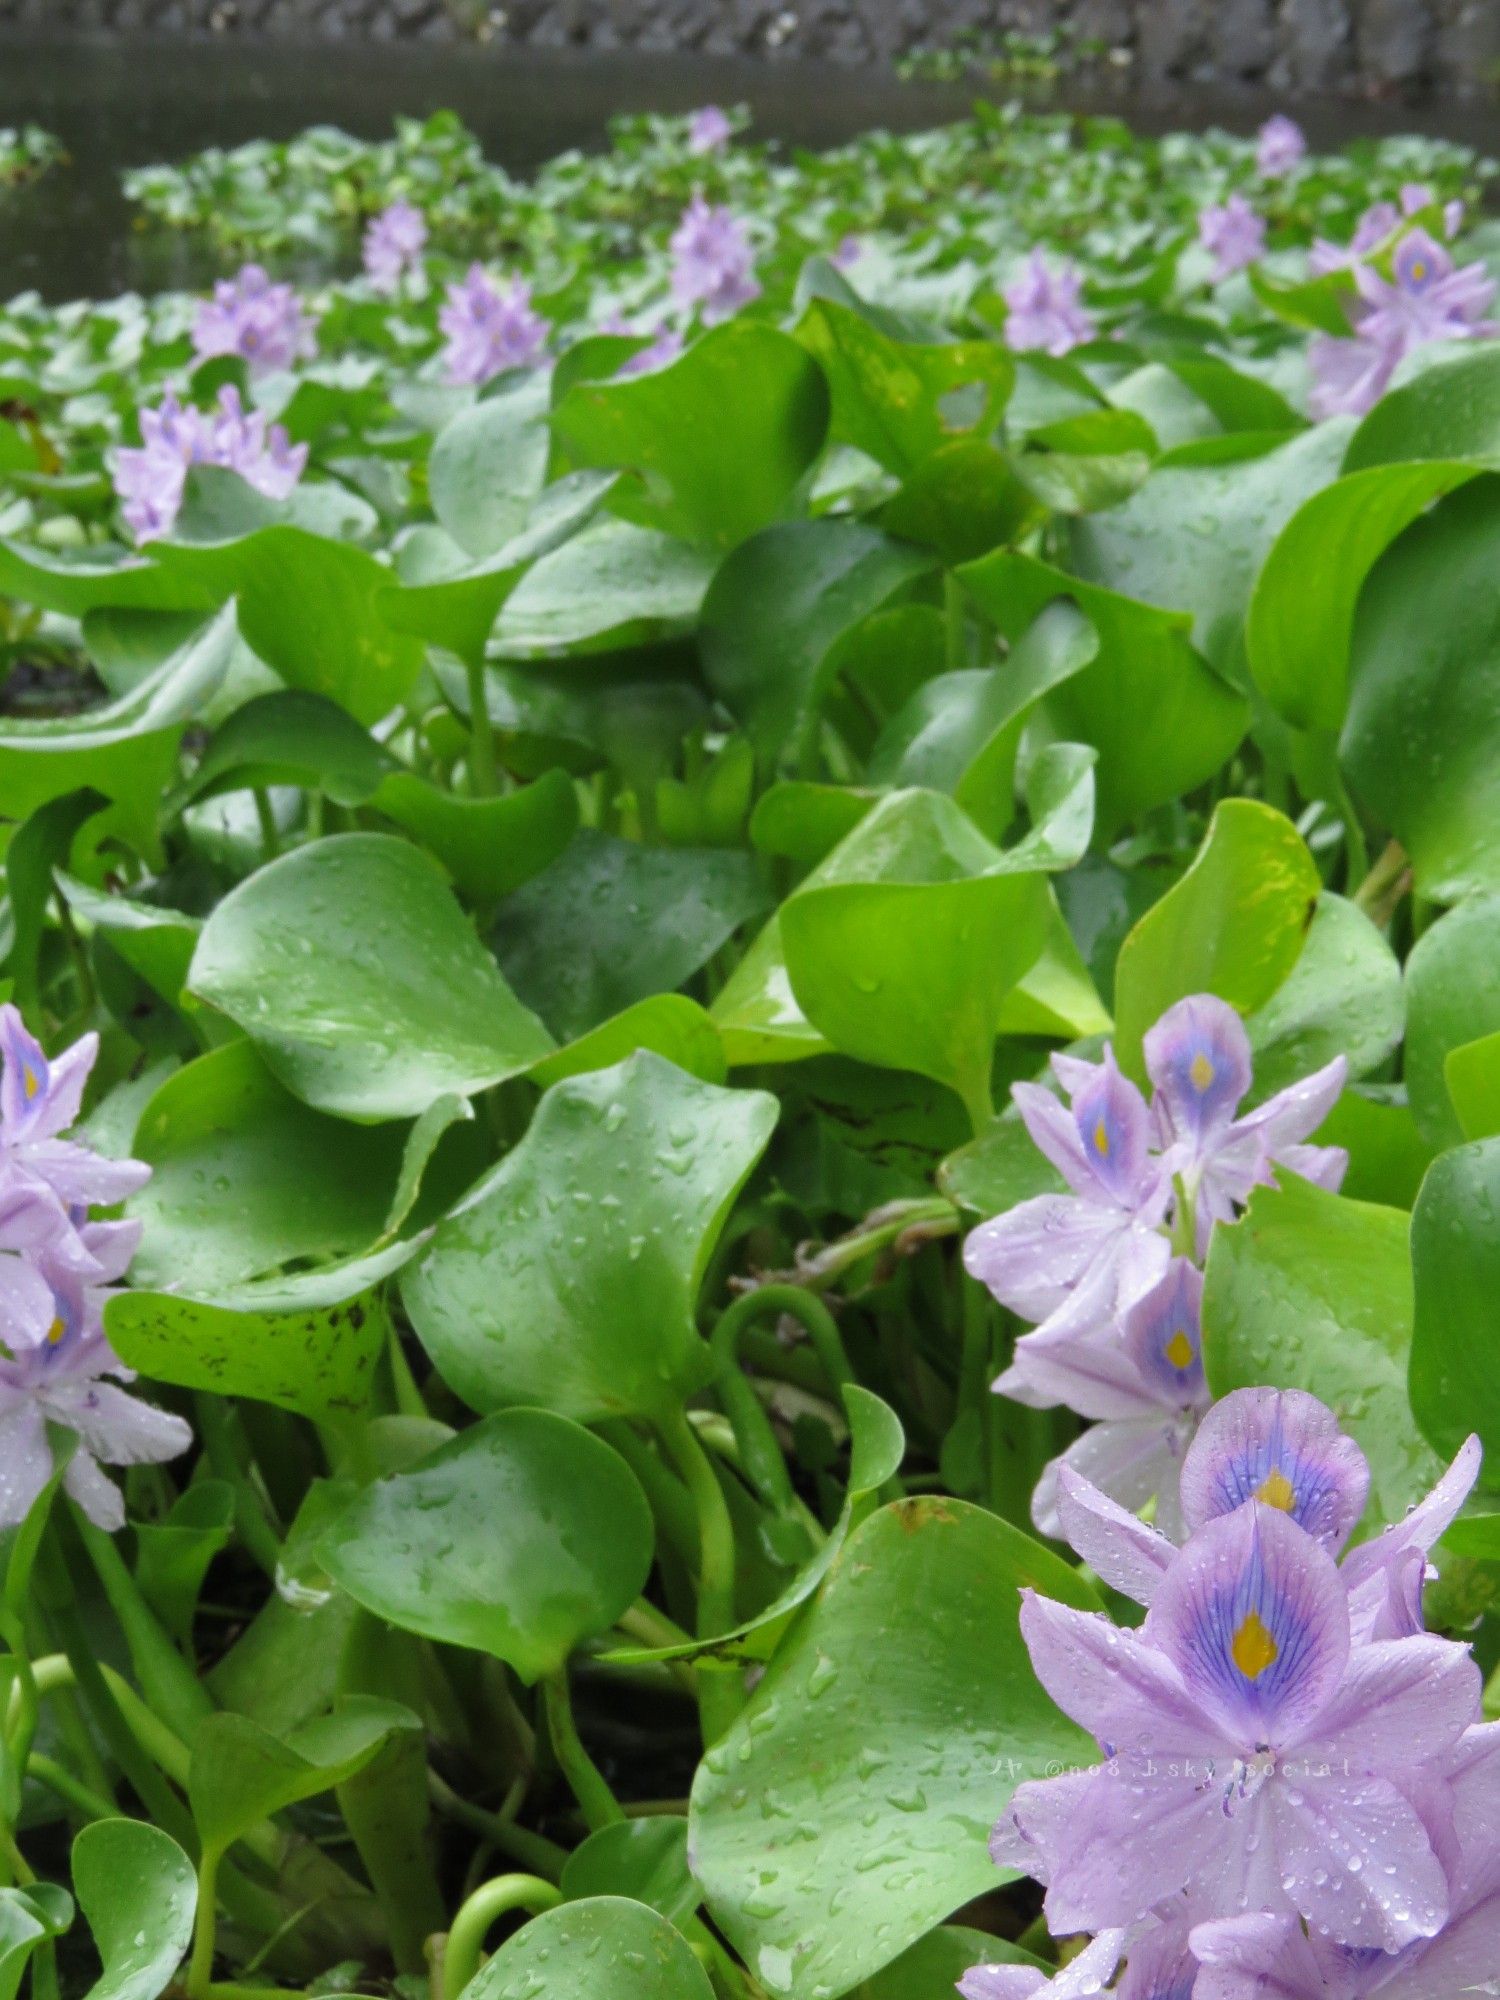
<point>118,104</point>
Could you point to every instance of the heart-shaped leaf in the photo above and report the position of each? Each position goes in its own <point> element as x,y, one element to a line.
<point>583,1951</point>
<point>139,1893</point>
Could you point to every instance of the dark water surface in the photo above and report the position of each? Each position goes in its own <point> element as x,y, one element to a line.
<point>121,103</point>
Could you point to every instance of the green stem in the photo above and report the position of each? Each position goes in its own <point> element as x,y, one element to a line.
<point>72,1791</point>
<point>542,1857</point>
<point>718,1686</point>
<point>270,837</point>
<point>205,1927</point>
<point>979,1102</point>
<point>599,1805</point>
<point>481,735</point>
<point>252,1524</point>
<point>798,1303</point>
<point>465,1943</point>
<point>955,634</point>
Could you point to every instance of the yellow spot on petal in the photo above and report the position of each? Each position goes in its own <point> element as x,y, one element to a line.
<point>1201,1071</point>
<point>31,1083</point>
<point>1277,1490</point>
<point>1253,1649</point>
<point>55,1332</point>
<point>1419,270</point>
<point>1179,1350</point>
<point>1101,1138</point>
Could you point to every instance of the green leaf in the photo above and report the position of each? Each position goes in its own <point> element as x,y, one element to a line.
<point>308,1342</point>
<point>1234,925</point>
<point>173,1555</point>
<point>35,853</point>
<point>1342,997</point>
<point>78,581</point>
<point>1161,719</point>
<point>914,975</point>
<point>1421,743</point>
<point>289,738</point>
<point>999,1169</point>
<point>935,1964</point>
<point>848,1808</point>
<point>26,1918</point>
<point>156,943</point>
<point>1196,534</point>
<point>1451,410</point>
<point>307,606</point>
<point>570,1276</point>
<point>960,732</point>
<point>352,969</point>
<point>613,585</point>
<point>241,1774</point>
<point>899,401</point>
<point>246,1180</point>
<point>583,1951</point>
<point>139,1893</point>
<point>669,1024</point>
<point>128,749</point>
<point>1301,616</point>
<point>612,922</point>
<point>775,614</point>
<point>644,1859</point>
<point>720,439</point>
<point>1452,999</point>
<point>1472,1073</point>
<point>1455,1251</point>
<point>1320,303</point>
<point>489,846</point>
<point>521,1538</point>
<point>1312,1291</point>
<point>488,465</point>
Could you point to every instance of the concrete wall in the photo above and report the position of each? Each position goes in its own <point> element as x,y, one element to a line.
<point>1377,48</point>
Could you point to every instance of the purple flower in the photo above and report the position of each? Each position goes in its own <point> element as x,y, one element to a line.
<point>709,130</point>
<point>1375,225</point>
<point>39,1100</point>
<point>1044,308</point>
<point>1349,376</point>
<point>713,262</point>
<point>1198,1057</point>
<point>1233,235</point>
<point>251,317</point>
<point>1426,299</point>
<point>1280,146</point>
<point>1248,1742</point>
<point>150,478</point>
<point>490,328</point>
<point>1283,1448</point>
<point>1148,1388</point>
<point>393,245</point>
<point>1077,1262</point>
<point>1083,1975</point>
<point>846,253</point>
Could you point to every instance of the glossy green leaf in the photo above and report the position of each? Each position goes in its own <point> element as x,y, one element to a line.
<point>1452,999</point>
<point>488,465</point>
<point>1421,742</point>
<point>1451,410</point>
<point>173,1555</point>
<point>246,1179</point>
<point>1472,1074</point>
<point>1302,613</point>
<point>489,846</point>
<point>1455,1252</point>
<point>569,1278</point>
<point>156,943</point>
<point>615,584</point>
<point>1312,1291</point>
<point>308,607</point>
<point>582,1951</point>
<point>241,1774</point>
<point>863,1778</point>
<point>352,969</point>
<point>669,1024</point>
<point>308,1342</point>
<point>521,1538</point>
<point>128,749</point>
<point>34,857</point>
<point>935,1964</point>
<point>612,922</point>
<point>899,401</point>
<point>1343,996</point>
<point>1161,719</point>
<point>139,1893</point>
<point>774,617</point>
<point>26,1919</point>
<point>76,581</point>
<point>289,738</point>
<point>643,1859</point>
<point>720,439</point>
<point>1234,925</point>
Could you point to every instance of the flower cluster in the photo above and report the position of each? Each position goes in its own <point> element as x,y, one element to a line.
<point>57,1267</point>
<point>489,328</point>
<point>1045,309</point>
<point>709,130</point>
<point>393,247</point>
<point>1296,1794</point>
<point>262,323</point>
<point>150,477</point>
<point>713,265</point>
<point>1427,297</point>
<point>1110,1273</point>
<point>1233,235</point>
<point>1280,146</point>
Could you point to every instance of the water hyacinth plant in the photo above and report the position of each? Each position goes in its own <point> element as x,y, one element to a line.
<point>750,1076</point>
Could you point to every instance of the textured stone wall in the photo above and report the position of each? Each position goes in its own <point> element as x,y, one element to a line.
<point>1376,48</point>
